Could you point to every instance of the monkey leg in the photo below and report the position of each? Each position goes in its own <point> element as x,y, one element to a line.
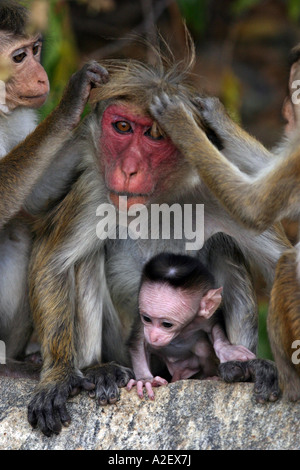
<point>108,378</point>
<point>260,371</point>
<point>284,324</point>
<point>15,318</point>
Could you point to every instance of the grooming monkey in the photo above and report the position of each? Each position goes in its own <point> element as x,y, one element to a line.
<point>256,202</point>
<point>37,171</point>
<point>178,322</point>
<point>84,287</point>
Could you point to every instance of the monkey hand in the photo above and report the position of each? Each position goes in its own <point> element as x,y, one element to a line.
<point>47,410</point>
<point>171,113</point>
<point>213,113</point>
<point>260,371</point>
<point>231,352</point>
<point>148,383</point>
<point>78,90</point>
<point>107,379</point>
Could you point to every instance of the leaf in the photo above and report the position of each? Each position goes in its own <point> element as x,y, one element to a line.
<point>231,93</point>
<point>195,14</point>
<point>240,6</point>
<point>294,9</point>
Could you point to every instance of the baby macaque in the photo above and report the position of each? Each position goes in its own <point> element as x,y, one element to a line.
<point>179,322</point>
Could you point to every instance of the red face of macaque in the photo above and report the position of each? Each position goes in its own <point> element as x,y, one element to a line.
<point>137,159</point>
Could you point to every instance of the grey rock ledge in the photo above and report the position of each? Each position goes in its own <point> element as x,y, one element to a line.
<point>186,415</point>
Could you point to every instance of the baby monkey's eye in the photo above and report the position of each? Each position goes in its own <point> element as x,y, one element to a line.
<point>166,324</point>
<point>123,127</point>
<point>154,132</point>
<point>146,319</point>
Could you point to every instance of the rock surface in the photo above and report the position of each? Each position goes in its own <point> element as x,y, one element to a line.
<point>186,415</point>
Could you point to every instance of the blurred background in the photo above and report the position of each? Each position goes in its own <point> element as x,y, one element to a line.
<point>242,49</point>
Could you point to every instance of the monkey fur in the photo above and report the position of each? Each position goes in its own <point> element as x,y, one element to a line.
<point>84,290</point>
<point>35,172</point>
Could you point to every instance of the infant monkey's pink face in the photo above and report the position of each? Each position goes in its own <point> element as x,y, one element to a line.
<point>165,311</point>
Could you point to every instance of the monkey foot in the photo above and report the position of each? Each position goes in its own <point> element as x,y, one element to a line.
<point>47,410</point>
<point>260,371</point>
<point>147,383</point>
<point>108,378</point>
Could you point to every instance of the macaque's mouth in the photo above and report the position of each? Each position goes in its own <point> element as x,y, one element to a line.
<point>123,201</point>
<point>37,97</point>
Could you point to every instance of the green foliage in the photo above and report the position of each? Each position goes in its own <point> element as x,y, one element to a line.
<point>194,13</point>
<point>294,10</point>
<point>60,57</point>
<point>240,6</point>
<point>264,349</point>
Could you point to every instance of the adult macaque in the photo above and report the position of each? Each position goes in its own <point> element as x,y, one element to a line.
<point>254,201</point>
<point>84,287</point>
<point>26,88</point>
<point>34,173</point>
<point>177,322</point>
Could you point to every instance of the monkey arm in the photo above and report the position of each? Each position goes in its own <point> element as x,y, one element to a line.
<point>252,202</point>
<point>226,351</point>
<point>53,304</point>
<point>236,142</point>
<point>60,377</point>
<point>140,359</point>
<point>23,166</point>
<point>52,285</point>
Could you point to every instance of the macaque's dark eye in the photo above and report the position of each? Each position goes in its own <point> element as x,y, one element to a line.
<point>123,127</point>
<point>19,57</point>
<point>36,49</point>
<point>146,319</point>
<point>166,324</point>
<point>154,133</point>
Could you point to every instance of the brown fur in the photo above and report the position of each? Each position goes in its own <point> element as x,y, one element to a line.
<point>284,323</point>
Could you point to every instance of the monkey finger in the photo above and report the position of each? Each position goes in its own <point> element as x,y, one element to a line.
<point>64,416</point>
<point>98,75</point>
<point>158,382</point>
<point>140,388</point>
<point>107,394</point>
<point>123,375</point>
<point>131,384</point>
<point>32,415</point>
<point>42,425</point>
<point>165,98</point>
<point>150,392</point>
<point>87,385</point>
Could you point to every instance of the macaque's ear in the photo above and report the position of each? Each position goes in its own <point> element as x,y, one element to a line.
<point>289,115</point>
<point>210,302</point>
<point>291,107</point>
